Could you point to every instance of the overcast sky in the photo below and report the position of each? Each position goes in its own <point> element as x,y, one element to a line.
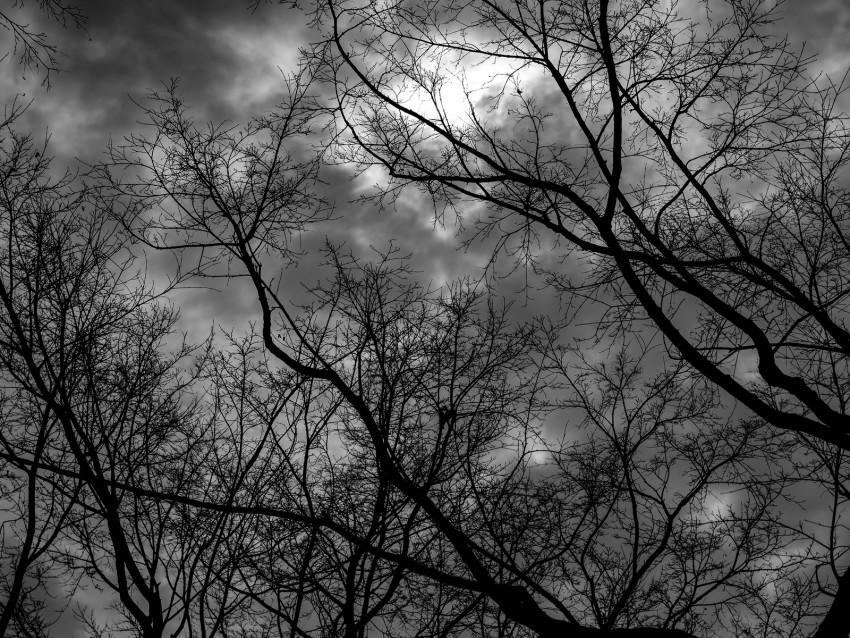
<point>230,63</point>
<point>229,60</point>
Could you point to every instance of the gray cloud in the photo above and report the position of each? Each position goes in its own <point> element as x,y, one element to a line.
<point>228,59</point>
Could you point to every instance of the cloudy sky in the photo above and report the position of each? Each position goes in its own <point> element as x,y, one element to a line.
<point>229,61</point>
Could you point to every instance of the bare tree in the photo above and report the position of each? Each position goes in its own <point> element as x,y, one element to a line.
<point>421,465</point>
<point>380,460</point>
<point>702,161</point>
<point>33,49</point>
<point>35,513</point>
<point>94,413</point>
<point>687,149</point>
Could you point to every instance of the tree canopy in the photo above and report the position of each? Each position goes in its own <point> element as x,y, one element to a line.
<point>658,453</point>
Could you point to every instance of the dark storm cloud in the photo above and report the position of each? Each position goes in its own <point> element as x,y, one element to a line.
<point>824,25</point>
<point>229,62</point>
<point>227,59</point>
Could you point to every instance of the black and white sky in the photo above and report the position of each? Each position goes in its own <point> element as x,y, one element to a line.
<point>230,60</point>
